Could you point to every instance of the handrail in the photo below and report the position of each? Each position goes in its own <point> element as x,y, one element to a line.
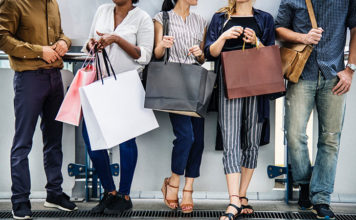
<point>69,57</point>
<point>79,57</point>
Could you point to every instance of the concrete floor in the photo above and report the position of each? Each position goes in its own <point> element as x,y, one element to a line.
<point>156,204</point>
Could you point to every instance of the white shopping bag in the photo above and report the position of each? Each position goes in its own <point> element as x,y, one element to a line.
<point>114,110</point>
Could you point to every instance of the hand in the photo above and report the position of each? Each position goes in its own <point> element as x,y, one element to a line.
<point>250,36</point>
<point>196,51</point>
<point>91,44</point>
<point>167,42</point>
<point>344,84</point>
<point>50,55</point>
<point>60,47</point>
<point>232,33</point>
<point>105,40</point>
<point>313,37</point>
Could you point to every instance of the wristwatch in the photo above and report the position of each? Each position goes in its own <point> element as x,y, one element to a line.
<point>352,67</point>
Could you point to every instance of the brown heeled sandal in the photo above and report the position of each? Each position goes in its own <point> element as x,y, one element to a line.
<point>187,208</point>
<point>164,191</point>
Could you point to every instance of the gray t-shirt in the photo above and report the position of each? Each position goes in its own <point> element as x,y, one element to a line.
<point>186,34</point>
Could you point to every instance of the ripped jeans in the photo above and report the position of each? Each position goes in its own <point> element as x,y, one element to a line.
<point>301,98</point>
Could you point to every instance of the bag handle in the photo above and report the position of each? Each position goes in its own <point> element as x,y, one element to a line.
<point>165,33</point>
<point>108,63</point>
<point>98,68</point>
<point>311,14</point>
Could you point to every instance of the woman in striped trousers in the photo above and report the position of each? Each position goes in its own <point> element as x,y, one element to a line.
<point>241,120</point>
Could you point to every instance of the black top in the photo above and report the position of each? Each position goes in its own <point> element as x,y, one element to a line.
<point>237,44</point>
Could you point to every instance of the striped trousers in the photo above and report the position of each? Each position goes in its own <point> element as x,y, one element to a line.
<point>241,131</point>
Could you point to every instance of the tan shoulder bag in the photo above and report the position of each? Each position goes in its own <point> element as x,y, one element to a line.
<point>295,56</point>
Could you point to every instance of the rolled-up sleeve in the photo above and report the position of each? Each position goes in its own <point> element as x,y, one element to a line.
<point>351,20</point>
<point>285,15</point>
<point>9,23</point>
<point>211,36</point>
<point>145,38</point>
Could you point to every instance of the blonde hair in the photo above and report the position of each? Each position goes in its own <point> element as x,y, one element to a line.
<point>230,9</point>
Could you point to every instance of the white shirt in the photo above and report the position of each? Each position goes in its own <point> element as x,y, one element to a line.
<point>137,28</point>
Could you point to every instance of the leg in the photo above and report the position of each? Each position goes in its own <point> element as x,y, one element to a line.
<point>230,112</point>
<point>101,163</point>
<point>128,161</point>
<point>29,98</point>
<point>331,109</point>
<point>187,204</point>
<point>196,152</point>
<point>251,135</point>
<point>52,135</point>
<point>193,164</point>
<point>183,130</point>
<point>300,101</point>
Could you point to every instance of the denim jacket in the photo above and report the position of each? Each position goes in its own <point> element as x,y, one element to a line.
<point>266,24</point>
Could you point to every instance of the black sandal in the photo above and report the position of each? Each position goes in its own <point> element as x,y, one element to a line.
<point>232,216</point>
<point>246,206</point>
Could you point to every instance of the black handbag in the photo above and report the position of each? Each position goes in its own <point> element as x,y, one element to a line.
<point>177,87</point>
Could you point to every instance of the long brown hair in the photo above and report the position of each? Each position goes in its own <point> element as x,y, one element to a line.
<point>230,9</point>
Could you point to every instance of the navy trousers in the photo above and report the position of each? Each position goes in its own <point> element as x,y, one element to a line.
<point>188,145</point>
<point>101,163</point>
<point>37,93</point>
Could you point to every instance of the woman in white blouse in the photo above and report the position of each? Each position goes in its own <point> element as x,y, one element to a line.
<point>126,33</point>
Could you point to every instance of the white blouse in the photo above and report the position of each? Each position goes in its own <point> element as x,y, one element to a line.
<point>137,28</point>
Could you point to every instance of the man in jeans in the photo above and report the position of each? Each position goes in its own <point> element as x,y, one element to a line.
<point>324,84</point>
<point>31,34</point>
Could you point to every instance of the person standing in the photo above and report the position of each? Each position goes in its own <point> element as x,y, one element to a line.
<point>185,41</point>
<point>31,34</point>
<point>126,33</point>
<point>323,84</point>
<point>242,119</point>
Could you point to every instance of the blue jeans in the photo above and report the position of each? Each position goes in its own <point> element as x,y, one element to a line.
<point>300,101</point>
<point>101,163</point>
<point>188,145</point>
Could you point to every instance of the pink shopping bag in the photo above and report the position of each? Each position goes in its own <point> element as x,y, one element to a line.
<point>71,109</point>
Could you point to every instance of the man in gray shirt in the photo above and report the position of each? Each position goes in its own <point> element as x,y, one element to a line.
<point>324,84</point>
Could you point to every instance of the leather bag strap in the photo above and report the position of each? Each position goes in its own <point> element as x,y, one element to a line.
<point>311,14</point>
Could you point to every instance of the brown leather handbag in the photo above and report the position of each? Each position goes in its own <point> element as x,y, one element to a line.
<point>295,56</point>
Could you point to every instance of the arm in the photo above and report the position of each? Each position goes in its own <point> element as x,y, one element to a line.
<point>284,30</point>
<point>197,51</point>
<point>346,75</point>
<point>217,46</point>
<point>161,42</point>
<point>9,23</point>
<point>313,37</point>
<point>63,44</point>
<point>108,39</point>
<point>145,38</point>
<point>352,56</point>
